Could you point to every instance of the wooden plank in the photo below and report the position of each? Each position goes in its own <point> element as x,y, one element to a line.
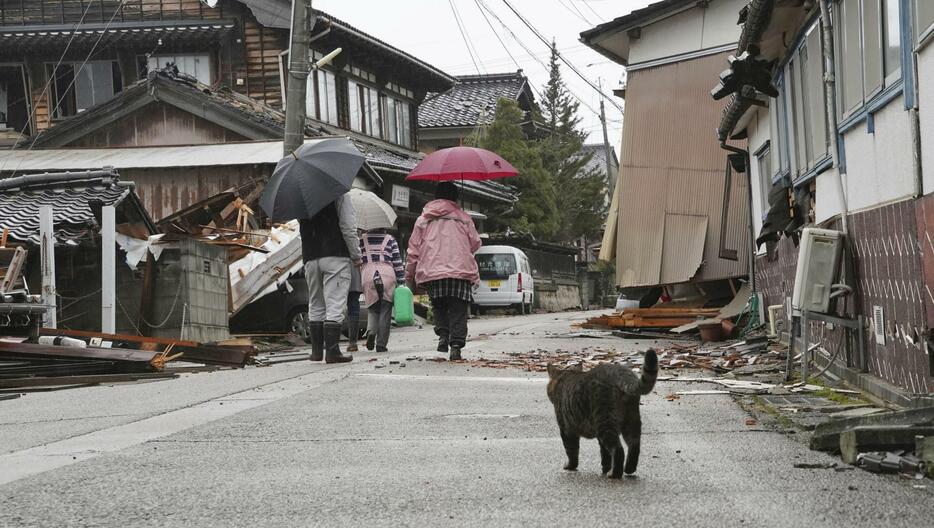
<point>49,381</point>
<point>266,273</point>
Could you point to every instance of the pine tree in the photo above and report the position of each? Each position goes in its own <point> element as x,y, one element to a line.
<point>536,211</point>
<point>583,206</point>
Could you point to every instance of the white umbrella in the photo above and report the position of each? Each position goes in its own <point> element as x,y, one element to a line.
<point>372,211</point>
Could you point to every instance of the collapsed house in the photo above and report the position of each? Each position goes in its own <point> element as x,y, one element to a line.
<point>179,291</point>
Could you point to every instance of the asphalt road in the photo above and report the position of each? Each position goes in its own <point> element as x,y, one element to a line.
<point>427,444</point>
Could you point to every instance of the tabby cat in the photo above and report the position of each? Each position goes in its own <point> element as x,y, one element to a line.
<point>602,403</point>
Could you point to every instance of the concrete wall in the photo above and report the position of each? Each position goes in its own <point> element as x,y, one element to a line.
<point>879,163</point>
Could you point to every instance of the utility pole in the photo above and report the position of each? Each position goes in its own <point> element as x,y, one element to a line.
<point>610,177</point>
<point>297,76</point>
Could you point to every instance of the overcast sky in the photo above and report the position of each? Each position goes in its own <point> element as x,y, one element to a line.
<point>427,29</point>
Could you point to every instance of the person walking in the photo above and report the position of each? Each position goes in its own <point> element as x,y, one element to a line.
<point>353,309</point>
<point>441,260</point>
<point>382,270</point>
<point>329,248</point>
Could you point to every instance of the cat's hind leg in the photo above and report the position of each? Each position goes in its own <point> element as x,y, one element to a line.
<point>633,440</point>
<point>610,441</point>
<point>572,444</point>
<point>606,459</point>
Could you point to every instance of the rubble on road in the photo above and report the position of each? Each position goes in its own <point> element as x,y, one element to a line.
<point>656,317</point>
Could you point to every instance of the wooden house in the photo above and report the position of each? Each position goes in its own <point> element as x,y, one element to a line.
<point>82,74</point>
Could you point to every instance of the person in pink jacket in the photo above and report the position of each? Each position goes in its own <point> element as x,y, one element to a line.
<point>441,260</point>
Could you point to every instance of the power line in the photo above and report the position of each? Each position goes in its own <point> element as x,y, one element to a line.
<point>529,51</point>
<point>74,78</point>
<point>503,44</point>
<point>587,5</point>
<point>576,12</point>
<point>565,61</point>
<point>48,83</point>
<point>464,36</point>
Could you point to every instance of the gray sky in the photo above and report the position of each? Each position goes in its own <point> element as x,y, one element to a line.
<point>427,30</point>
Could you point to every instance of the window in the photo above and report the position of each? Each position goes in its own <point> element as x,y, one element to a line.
<point>924,16</point>
<point>869,49</point>
<point>764,163</point>
<point>77,88</point>
<point>801,109</point>
<point>496,265</point>
<point>14,105</point>
<point>363,106</point>
<point>196,65</point>
<point>321,97</point>
<point>397,125</point>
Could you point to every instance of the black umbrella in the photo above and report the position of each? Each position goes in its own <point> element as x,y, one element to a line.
<point>310,178</point>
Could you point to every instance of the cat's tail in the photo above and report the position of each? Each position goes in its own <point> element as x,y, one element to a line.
<point>649,372</point>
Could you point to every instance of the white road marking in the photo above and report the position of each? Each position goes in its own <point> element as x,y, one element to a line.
<point>454,378</point>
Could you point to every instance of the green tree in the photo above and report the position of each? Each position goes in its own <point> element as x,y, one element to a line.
<point>536,212</point>
<point>583,206</point>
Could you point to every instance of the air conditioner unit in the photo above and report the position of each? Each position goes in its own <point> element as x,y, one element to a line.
<point>818,263</point>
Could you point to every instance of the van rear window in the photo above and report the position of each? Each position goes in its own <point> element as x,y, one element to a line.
<point>496,266</point>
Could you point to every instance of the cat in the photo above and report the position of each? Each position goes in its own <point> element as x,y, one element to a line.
<point>602,403</point>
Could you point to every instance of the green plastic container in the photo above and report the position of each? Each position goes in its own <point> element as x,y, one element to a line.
<point>403,304</point>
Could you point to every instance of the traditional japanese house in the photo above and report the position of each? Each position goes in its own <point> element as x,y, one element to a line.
<point>859,161</point>
<point>448,118</point>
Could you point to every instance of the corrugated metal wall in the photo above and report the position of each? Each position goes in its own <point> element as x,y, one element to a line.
<point>671,164</point>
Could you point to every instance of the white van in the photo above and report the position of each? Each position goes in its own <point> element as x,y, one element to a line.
<point>505,279</point>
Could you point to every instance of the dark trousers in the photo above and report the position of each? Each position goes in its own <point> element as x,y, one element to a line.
<point>451,319</point>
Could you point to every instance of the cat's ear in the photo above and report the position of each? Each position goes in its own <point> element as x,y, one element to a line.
<point>552,370</point>
<point>578,367</point>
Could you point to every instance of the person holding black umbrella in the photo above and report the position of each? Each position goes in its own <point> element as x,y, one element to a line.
<point>329,248</point>
<point>310,184</point>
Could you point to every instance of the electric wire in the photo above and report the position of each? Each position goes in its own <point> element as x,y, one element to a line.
<point>45,89</point>
<point>565,61</point>
<point>575,12</point>
<point>460,28</point>
<point>74,78</point>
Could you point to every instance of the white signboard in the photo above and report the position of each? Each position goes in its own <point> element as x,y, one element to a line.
<point>400,196</point>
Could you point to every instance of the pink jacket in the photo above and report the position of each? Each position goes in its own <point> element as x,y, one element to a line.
<point>442,245</point>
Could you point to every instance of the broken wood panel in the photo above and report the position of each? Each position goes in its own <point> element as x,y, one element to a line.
<point>123,360</point>
<point>266,273</point>
<point>92,379</point>
<point>262,47</point>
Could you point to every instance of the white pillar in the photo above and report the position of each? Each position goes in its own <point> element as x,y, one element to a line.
<point>47,264</point>
<point>108,270</point>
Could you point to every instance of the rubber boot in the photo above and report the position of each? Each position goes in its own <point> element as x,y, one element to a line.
<point>316,334</point>
<point>443,345</point>
<point>370,339</point>
<point>353,332</point>
<point>332,349</point>
<point>455,353</point>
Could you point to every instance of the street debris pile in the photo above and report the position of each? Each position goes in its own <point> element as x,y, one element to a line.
<point>71,358</point>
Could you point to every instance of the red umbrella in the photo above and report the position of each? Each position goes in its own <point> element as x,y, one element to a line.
<point>462,163</point>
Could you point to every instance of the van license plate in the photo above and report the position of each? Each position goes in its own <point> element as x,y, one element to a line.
<point>494,284</point>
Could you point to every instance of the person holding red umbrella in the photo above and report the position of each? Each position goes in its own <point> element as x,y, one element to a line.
<point>441,260</point>
<point>442,246</point>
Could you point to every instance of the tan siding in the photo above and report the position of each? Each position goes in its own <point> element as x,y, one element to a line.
<point>671,164</point>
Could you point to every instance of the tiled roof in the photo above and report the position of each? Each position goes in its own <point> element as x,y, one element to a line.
<point>472,101</point>
<point>69,193</point>
<point>598,160</point>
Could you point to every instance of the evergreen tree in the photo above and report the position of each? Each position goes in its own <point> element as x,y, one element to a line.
<point>583,204</point>
<point>536,212</point>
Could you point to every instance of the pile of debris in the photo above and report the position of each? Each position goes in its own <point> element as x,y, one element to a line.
<point>752,355</point>
<point>72,358</point>
<point>18,308</point>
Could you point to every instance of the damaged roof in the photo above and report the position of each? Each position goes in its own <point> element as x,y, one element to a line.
<point>473,100</point>
<point>75,198</point>
<point>244,115</point>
